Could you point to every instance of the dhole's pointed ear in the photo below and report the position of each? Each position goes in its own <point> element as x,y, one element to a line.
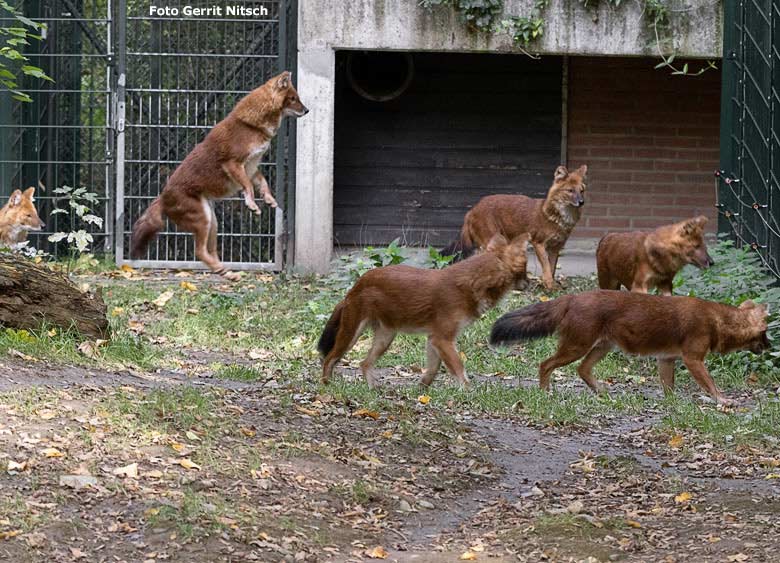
<point>29,193</point>
<point>498,241</point>
<point>749,304</point>
<point>16,198</point>
<point>283,81</point>
<point>693,225</point>
<point>560,173</point>
<point>582,170</point>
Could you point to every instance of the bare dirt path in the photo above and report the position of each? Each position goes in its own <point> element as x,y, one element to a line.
<point>333,485</point>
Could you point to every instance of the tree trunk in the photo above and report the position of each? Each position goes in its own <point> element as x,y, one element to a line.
<point>32,294</point>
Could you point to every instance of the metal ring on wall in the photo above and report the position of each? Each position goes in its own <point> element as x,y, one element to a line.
<point>380,76</point>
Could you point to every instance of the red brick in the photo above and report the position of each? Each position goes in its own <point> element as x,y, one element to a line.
<point>608,223</point>
<point>651,142</point>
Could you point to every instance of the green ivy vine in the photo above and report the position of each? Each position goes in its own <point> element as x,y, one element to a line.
<point>524,30</point>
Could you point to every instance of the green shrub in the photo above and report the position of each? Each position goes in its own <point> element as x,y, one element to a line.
<point>736,276</point>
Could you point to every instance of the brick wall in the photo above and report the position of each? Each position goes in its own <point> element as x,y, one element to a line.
<point>650,141</point>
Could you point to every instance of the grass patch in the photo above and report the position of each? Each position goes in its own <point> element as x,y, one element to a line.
<point>238,373</point>
<point>557,408</point>
<point>17,515</point>
<point>195,515</point>
<point>141,418</point>
<point>758,425</point>
<point>55,344</point>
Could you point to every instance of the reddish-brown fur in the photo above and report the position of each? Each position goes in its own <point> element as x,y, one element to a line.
<point>439,303</point>
<point>641,261</point>
<point>591,324</point>
<point>18,217</point>
<point>224,163</point>
<point>548,221</point>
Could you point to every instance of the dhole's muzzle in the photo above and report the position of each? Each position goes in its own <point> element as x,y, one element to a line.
<point>702,259</point>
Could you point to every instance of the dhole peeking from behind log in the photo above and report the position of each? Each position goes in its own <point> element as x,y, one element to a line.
<point>225,162</point>
<point>548,222</point>
<point>18,217</point>
<point>439,303</point>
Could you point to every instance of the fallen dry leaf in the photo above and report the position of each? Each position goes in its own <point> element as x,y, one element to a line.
<point>90,348</point>
<point>9,534</point>
<point>304,410</point>
<point>424,399</point>
<point>378,552</point>
<point>676,441</point>
<point>130,471</point>
<point>52,452</point>
<point>187,463</point>
<point>365,413</point>
<point>468,556</point>
<point>116,311</point>
<point>162,299</point>
<point>683,497</point>
<point>188,286</point>
<point>14,466</point>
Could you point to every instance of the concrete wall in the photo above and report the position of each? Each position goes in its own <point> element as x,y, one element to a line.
<point>651,143</point>
<point>327,25</point>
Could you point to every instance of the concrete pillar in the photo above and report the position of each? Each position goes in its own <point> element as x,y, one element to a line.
<point>314,161</point>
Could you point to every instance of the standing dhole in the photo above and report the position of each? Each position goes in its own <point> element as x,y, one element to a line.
<point>439,303</point>
<point>18,217</point>
<point>225,162</point>
<point>591,324</point>
<point>548,221</point>
<point>641,261</point>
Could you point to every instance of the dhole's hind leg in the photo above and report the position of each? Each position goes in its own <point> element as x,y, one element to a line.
<point>350,330</point>
<point>565,355</point>
<point>449,355</point>
<point>433,364</point>
<point>203,228</point>
<point>383,337</point>
<point>666,374</point>
<point>212,245</point>
<point>585,369</point>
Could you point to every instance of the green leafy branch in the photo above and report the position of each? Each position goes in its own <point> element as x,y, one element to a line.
<point>12,61</point>
<point>478,15</point>
<point>523,30</point>
<point>76,199</point>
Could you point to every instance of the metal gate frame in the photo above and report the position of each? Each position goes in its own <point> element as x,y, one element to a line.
<point>283,163</point>
<point>749,175</point>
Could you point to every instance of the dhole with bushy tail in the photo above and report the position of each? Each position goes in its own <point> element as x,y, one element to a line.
<point>548,221</point>
<point>591,324</point>
<point>641,261</point>
<point>225,162</point>
<point>439,303</point>
<point>18,217</point>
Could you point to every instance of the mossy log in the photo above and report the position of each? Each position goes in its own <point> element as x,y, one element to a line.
<point>32,294</point>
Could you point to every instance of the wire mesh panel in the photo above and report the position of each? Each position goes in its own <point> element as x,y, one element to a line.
<point>63,137</point>
<point>749,179</point>
<point>183,74</point>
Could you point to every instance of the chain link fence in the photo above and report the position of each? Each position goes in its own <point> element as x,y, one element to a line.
<point>749,179</point>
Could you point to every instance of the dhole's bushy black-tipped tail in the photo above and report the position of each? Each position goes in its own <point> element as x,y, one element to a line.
<point>535,321</point>
<point>328,337</point>
<point>459,249</point>
<point>146,228</point>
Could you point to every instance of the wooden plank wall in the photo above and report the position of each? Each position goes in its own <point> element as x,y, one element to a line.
<point>469,125</point>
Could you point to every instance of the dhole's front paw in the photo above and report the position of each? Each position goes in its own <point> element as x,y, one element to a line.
<point>725,401</point>
<point>269,200</point>
<point>231,276</point>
